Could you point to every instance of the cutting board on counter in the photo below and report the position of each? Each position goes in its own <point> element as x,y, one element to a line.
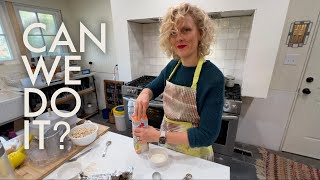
<point>28,171</point>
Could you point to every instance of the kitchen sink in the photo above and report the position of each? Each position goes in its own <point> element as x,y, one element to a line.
<point>11,106</point>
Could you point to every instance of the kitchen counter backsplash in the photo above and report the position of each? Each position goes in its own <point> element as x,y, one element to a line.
<point>227,52</point>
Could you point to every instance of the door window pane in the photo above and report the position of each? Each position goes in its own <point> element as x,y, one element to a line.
<point>5,53</point>
<point>48,20</point>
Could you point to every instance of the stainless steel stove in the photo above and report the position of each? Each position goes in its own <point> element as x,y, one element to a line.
<point>230,119</point>
<point>232,101</point>
<point>231,110</point>
<point>133,88</point>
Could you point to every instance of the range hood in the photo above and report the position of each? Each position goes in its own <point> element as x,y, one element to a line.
<point>213,15</point>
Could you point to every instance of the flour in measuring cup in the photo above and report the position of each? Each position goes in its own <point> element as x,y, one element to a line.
<point>158,158</point>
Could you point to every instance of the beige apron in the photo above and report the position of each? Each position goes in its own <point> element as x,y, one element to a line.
<point>180,112</point>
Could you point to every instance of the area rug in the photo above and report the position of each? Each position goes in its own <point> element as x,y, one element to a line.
<point>272,166</point>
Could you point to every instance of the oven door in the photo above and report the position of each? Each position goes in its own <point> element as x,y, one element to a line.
<point>227,136</point>
<point>155,112</point>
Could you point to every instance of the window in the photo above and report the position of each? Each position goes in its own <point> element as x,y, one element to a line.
<point>6,39</point>
<point>5,53</point>
<point>39,37</point>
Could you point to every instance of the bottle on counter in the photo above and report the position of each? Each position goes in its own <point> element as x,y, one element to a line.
<point>142,123</point>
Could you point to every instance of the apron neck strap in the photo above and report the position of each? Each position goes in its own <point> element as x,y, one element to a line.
<point>174,70</point>
<point>196,73</point>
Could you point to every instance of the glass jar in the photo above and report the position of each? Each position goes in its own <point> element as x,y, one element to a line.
<point>6,170</point>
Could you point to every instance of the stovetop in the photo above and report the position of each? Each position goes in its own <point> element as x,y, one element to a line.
<point>230,93</point>
<point>141,82</point>
<point>233,93</point>
<point>232,99</point>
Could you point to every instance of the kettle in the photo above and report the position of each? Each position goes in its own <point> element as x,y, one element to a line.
<point>6,170</point>
<point>229,81</point>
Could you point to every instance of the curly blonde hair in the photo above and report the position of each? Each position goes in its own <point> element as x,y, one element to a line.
<point>202,21</point>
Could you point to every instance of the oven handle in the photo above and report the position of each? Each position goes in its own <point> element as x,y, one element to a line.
<point>151,104</point>
<point>229,117</point>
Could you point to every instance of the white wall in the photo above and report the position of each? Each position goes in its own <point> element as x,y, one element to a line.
<point>261,53</point>
<point>92,14</point>
<point>136,49</point>
<point>146,58</point>
<point>154,59</point>
<point>263,121</point>
<point>228,52</point>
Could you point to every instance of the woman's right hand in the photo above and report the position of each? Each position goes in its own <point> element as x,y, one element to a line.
<point>142,103</point>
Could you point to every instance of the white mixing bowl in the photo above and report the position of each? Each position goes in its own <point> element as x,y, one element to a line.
<point>86,140</point>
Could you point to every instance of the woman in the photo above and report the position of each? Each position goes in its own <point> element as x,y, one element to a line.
<point>193,89</point>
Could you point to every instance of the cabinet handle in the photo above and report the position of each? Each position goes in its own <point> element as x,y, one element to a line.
<point>309,79</point>
<point>306,91</point>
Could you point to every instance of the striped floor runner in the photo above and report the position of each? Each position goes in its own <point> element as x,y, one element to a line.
<point>275,167</point>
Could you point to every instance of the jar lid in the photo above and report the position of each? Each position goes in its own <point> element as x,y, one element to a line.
<point>118,110</point>
<point>229,77</point>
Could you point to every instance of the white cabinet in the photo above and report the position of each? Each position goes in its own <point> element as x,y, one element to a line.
<point>11,106</point>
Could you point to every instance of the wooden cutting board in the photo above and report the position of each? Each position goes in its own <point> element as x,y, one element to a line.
<point>28,171</point>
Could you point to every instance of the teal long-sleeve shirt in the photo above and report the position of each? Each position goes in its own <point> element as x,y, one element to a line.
<point>210,98</point>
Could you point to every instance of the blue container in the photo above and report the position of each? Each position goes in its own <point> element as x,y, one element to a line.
<point>105,113</point>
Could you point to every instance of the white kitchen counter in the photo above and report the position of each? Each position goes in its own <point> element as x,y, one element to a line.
<point>121,155</point>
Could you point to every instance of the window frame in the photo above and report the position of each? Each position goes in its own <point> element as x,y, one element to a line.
<point>9,35</point>
<point>57,18</point>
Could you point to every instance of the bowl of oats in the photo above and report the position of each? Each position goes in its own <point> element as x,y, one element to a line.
<point>84,134</point>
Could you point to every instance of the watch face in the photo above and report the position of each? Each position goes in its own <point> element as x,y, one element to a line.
<point>162,140</point>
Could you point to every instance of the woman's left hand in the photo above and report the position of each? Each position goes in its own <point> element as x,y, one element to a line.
<point>145,135</point>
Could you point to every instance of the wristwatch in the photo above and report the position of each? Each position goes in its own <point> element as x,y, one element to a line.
<point>162,138</point>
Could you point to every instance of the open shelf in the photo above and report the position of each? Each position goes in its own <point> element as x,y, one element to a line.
<point>85,115</point>
<point>100,122</point>
<point>66,98</point>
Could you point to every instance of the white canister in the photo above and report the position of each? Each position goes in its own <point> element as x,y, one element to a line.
<point>119,118</point>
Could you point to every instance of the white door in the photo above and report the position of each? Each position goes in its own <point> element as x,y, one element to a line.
<point>303,134</point>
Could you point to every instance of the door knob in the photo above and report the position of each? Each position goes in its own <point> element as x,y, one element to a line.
<point>309,79</point>
<point>306,91</point>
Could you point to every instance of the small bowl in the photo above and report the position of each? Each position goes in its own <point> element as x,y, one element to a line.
<point>158,157</point>
<point>86,140</point>
<point>69,171</point>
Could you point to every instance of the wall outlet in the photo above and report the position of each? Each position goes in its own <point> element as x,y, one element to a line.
<point>291,59</point>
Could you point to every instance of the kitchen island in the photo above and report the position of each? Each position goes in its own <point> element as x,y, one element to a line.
<point>121,155</point>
